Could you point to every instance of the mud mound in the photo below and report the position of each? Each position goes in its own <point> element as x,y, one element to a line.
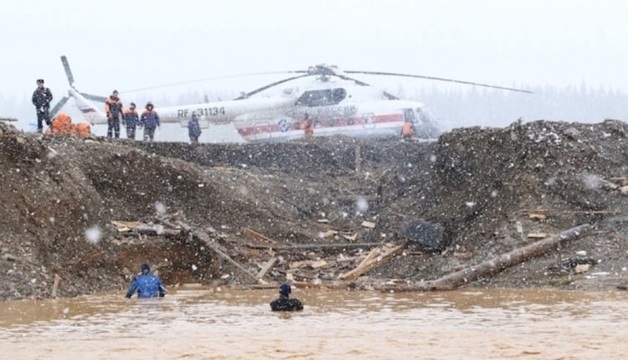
<point>479,186</point>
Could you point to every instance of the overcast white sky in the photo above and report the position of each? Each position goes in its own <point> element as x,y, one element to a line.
<point>122,45</point>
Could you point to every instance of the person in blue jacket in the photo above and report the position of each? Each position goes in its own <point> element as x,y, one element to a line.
<point>146,284</point>
<point>194,128</point>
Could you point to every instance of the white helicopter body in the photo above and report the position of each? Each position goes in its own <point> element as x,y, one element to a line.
<point>337,105</point>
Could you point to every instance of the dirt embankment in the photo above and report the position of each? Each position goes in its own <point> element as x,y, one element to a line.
<point>479,185</point>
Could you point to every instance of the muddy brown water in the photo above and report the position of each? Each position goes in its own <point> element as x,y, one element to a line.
<point>201,323</point>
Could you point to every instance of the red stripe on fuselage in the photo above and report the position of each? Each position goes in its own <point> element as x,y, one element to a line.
<point>361,122</point>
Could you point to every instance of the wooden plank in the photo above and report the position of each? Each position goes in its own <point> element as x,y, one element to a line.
<point>537,215</point>
<point>269,265</point>
<point>55,286</point>
<point>350,237</point>
<point>373,253</point>
<point>125,226</point>
<point>373,263</point>
<point>257,236</point>
<point>368,224</point>
<point>329,233</point>
<point>318,264</point>
<point>312,246</point>
<point>537,235</point>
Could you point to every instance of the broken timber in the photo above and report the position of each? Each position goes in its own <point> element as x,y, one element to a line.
<point>132,228</point>
<point>269,265</point>
<point>312,246</point>
<point>205,238</point>
<point>496,265</point>
<point>257,236</point>
<point>372,261</point>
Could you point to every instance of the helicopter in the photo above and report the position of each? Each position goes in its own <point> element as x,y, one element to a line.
<point>336,103</point>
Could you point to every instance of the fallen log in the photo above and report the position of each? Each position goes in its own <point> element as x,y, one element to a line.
<point>312,246</point>
<point>168,233</point>
<point>205,238</point>
<point>258,236</point>
<point>494,266</point>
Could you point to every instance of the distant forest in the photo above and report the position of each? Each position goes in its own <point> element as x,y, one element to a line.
<point>473,106</point>
<point>489,107</point>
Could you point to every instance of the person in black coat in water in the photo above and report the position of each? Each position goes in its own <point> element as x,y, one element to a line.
<point>283,302</point>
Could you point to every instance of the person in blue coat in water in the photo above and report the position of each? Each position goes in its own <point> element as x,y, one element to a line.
<point>283,302</point>
<point>146,284</point>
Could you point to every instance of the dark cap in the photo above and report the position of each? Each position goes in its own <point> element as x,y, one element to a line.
<point>285,289</point>
<point>40,81</point>
<point>145,268</point>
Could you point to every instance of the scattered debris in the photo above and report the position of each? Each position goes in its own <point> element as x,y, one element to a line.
<point>368,224</point>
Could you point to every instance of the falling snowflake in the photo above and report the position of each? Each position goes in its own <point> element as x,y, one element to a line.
<point>362,204</point>
<point>93,235</point>
<point>160,208</point>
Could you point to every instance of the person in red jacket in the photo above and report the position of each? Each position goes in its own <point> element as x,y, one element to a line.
<point>113,109</point>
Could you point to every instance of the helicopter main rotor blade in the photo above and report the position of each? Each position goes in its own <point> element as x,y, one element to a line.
<point>386,93</point>
<point>437,79</point>
<point>269,86</point>
<point>94,97</point>
<point>68,71</point>
<point>58,106</point>
<point>206,79</point>
<point>343,77</point>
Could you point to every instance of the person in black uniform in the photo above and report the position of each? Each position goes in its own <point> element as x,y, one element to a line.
<point>283,302</point>
<point>42,96</point>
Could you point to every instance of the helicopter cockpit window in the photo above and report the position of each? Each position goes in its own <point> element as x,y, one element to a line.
<point>424,116</point>
<point>338,95</point>
<point>408,114</point>
<point>322,97</point>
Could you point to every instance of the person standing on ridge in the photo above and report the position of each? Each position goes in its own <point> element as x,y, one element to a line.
<point>42,96</point>
<point>150,121</point>
<point>194,128</point>
<point>131,120</point>
<point>113,109</point>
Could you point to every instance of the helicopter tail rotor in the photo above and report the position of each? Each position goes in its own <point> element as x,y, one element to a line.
<point>68,71</point>
<point>58,106</point>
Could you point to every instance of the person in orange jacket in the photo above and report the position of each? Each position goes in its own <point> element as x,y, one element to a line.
<point>407,132</point>
<point>307,125</point>
<point>149,121</point>
<point>131,120</point>
<point>113,109</point>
